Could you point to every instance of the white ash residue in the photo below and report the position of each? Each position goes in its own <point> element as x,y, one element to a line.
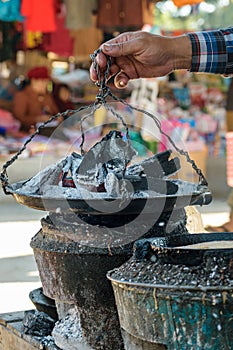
<point>67,333</point>
<point>147,194</point>
<point>46,177</point>
<point>185,187</point>
<point>48,342</point>
<point>104,172</point>
<point>111,184</point>
<point>57,192</point>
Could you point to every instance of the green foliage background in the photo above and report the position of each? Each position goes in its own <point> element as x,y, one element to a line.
<point>211,14</point>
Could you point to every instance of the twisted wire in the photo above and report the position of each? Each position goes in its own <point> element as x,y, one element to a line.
<point>101,97</point>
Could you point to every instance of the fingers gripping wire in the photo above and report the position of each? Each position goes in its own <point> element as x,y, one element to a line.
<point>102,77</point>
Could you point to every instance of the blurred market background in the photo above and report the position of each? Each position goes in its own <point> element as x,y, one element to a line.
<point>191,108</point>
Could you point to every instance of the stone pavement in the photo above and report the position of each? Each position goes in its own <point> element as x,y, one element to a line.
<point>18,271</point>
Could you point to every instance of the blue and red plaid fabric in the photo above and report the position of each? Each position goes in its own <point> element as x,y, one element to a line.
<point>212,51</point>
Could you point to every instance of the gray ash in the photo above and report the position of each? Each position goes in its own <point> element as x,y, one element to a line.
<point>215,271</point>
<point>106,168</point>
<point>48,343</point>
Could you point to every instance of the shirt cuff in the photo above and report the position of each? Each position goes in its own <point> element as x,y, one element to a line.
<point>228,36</point>
<point>209,52</point>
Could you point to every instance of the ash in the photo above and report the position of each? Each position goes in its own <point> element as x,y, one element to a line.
<point>105,171</point>
<point>48,342</point>
<point>214,271</point>
<point>67,333</point>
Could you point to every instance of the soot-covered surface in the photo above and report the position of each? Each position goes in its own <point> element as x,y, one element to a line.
<point>215,271</point>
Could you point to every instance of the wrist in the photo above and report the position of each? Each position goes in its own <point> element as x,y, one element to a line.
<point>182,52</point>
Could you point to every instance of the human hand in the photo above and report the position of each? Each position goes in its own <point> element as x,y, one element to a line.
<point>143,55</point>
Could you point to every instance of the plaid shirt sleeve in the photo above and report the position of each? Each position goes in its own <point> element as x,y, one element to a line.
<point>212,51</point>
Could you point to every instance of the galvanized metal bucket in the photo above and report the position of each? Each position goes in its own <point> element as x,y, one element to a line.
<point>173,311</point>
<point>180,318</point>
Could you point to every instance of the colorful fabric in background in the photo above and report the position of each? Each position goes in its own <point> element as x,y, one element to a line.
<point>39,15</point>
<point>86,40</point>
<point>10,11</point>
<point>124,15</point>
<point>8,122</point>
<point>33,39</point>
<point>60,41</point>
<point>113,15</point>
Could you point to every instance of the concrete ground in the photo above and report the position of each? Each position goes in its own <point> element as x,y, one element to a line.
<point>18,271</point>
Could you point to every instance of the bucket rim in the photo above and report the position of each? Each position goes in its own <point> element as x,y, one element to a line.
<point>204,289</point>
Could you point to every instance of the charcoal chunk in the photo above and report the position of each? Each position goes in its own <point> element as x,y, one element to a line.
<point>156,166</point>
<point>111,151</point>
<point>38,323</point>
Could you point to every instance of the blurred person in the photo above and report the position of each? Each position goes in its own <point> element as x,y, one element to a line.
<point>34,104</point>
<point>62,97</point>
<point>7,92</point>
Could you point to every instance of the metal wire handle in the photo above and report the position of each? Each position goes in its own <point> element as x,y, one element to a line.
<point>3,175</point>
<point>101,100</point>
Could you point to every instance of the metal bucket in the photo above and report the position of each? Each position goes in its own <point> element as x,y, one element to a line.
<point>177,318</point>
<point>174,315</point>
